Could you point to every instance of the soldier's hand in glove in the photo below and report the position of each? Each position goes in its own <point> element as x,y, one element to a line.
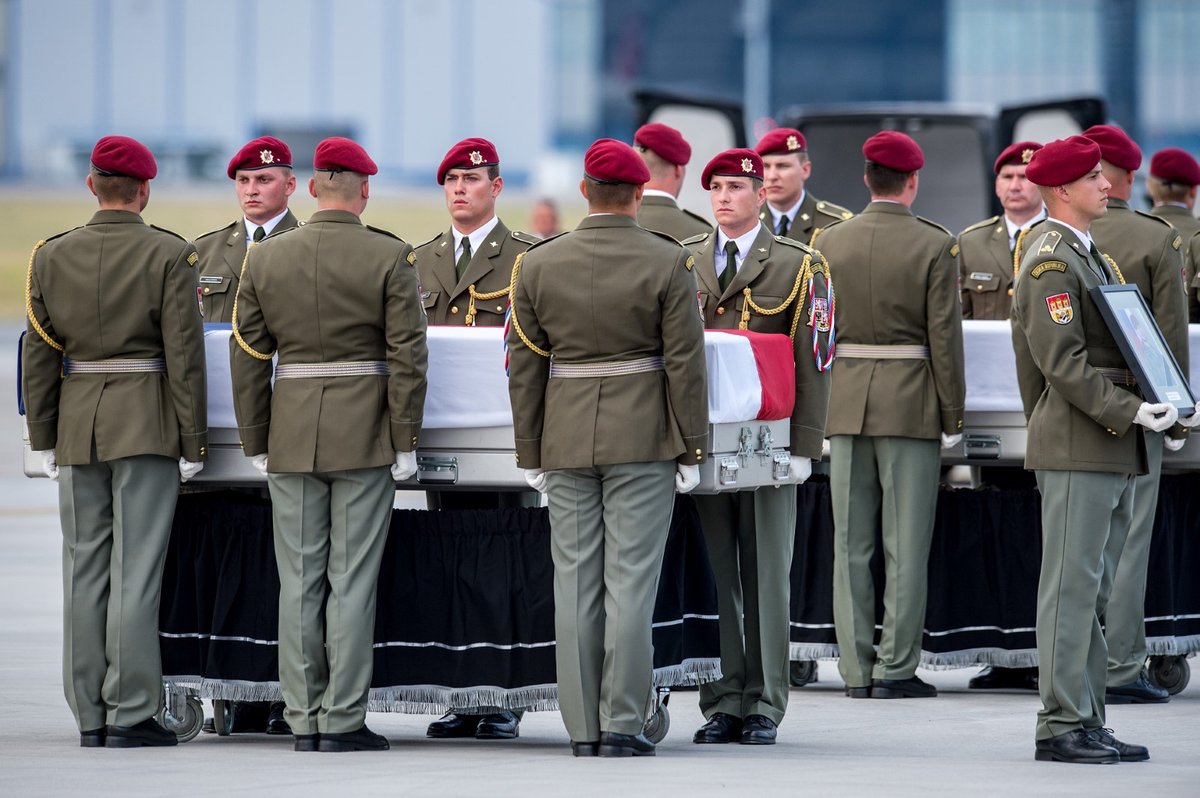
<point>1193,419</point>
<point>1156,417</point>
<point>801,470</point>
<point>1174,444</point>
<point>50,464</point>
<point>259,461</point>
<point>536,479</point>
<point>405,466</point>
<point>188,469</point>
<point>687,477</point>
<point>950,441</point>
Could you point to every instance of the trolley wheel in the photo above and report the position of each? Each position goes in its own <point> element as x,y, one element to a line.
<point>1171,673</point>
<point>802,672</point>
<point>188,726</point>
<point>222,717</point>
<point>657,726</point>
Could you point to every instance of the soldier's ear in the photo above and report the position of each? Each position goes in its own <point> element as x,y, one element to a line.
<point>312,186</point>
<point>88,181</point>
<point>583,188</point>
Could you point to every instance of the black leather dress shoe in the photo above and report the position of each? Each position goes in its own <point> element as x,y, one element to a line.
<point>615,744</point>
<point>585,749</point>
<point>453,725</point>
<point>146,733</point>
<point>92,738</point>
<point>498,726</point>
<point>912,687</point>
<point>1078,747</point>
<point>996,678</point>
<point>1127,751</point>
<point>858,692</point>
<point>307,742</point>
<point>758,730</point>
<point>1139,691</point>
<point>721,728</point>
<point>275,722</point>
<point>362,739</point>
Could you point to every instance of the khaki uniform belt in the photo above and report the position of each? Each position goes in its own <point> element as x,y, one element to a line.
<point>352,368</point>
<point>115,366</point>
<point>883,352</point>
<point>1122,377</point>
<point>614,368</point>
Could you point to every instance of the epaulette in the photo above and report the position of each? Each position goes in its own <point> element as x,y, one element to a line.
<point>932,223</point>
<point>696,216</point>
<point>430,241</point>
<point>387,233</point>
<point>791,242</point>
<point>525,238</point>
<point>60,235</point>
<point>276,233</point>
<point>170,232</point>
<point>667,236</point>
<point>830,209</point>
<point>696,239</point>
<point>1047,243</point>
<point>1155,218</point>
<point>541,241</point>
<point>833,224</point>
<point>218,230</point>
<point>986,223</point>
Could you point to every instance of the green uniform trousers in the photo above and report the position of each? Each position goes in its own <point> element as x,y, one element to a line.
<point>750,535</point>
<point>1125,616</point>
<point>888,482</point>
<point>330,529</point>
<point>608,532</point>
<point>116,522</point>
<point>1085,519</point>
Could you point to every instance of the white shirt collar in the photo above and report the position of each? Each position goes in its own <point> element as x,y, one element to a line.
<point>476,237</point>
<point>1084,238</point>
<point>1014,228</point>
<point>267,226</point>
<point>654,192</point>
<point>791,212</point>
<point>743,242</point>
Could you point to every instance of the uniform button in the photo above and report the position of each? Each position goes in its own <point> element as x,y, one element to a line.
<point>1010,293</point>
<point>960,424</point>
<point>203,451</point>
<point>207,290</point>
<point>699,453</point>
<point>499,308</point>
<point>454,309</point>
<point>720,311</point>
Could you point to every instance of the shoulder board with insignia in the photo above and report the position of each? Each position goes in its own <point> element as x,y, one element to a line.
<point>932,223</point>
<point>954,250</point>
<point>60,235</point>
<point>170,232</point>
<point>277,232</point>
<point>667,236</point>
<point>1047,243</point>
<point>836,211</point>
<point>986,224</point>
<point>547,240</point>
<point>224,229</point>
<point>525,238</point>
<point>1155,218</point>
<point>1047,266</point>
<point>791,242</point>
<point>696,239</point>
<point>381,231</point>
<point>430,241</point>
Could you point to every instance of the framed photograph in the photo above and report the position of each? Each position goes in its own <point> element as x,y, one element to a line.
<point>1146,352</point>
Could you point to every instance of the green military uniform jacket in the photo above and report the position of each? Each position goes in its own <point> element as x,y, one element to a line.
<point>897,285</point>
<point>221,254</point>
<point>664,215</point>
<point>1079,420</point>
<point>769,271</point>
<point>330,291</point>
<point>115,288</point>
<point>447,299</point>
<point>813,217</point>
<point>607,291</point>
<point>985,266</point>
<point>1188,226</point>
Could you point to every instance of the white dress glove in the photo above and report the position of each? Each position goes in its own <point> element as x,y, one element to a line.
<point>259,461</point>
<point>1193,419</point>
<point>1174,444</point>
<point>188,469</point>
<point>801,470</point>
<point>826,449</point>
<point>405,466</point>
<point>687,477</point>
<point>1156,417</point>
<point>536,479</point>
<point>50,464</point>
<point>950,441</point>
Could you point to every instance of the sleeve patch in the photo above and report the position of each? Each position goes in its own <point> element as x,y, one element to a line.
<point>193,259</point>
<point>1048,266</point>
<point>1060,308</point>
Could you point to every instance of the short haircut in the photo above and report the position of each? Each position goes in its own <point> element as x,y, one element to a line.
<point>344,185</point>
<point>115,188</point>
<point>493,171</point>
<point>1164,191</point>
<point>606,196</point>
<point>885,182</point>
<point>659,167</point>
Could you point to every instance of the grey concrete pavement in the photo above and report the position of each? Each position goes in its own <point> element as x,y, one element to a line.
<point>962,742</point>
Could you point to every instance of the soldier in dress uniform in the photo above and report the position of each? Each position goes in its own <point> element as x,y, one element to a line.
<point>1174,176</point>
<point>985,258</point>
<point>666,154</point>
<point>897,395</point>
<point>790,209</point>
<point>610,414</point>
<point>1147,251</point>
<point>114,384</point>
<point>338,302</point>
<point>262,175</point>
<point>464,275</point>
<point>1084,446</point>
<point>750,278</point>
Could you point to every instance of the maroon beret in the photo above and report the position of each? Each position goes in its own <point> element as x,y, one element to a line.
<point>612,161</point>
<point>664,141</point>
<point>781,141</point>
<point>1115,146</point>
<point>121,155</point>
<point>894,150</point>
<point>337,154</point>
<point>733,163</point>
<point>1063,161</point>
<point>1017,153</point>
<point>260,153</point>
<point>468,154</point>
<point>1174,165</point>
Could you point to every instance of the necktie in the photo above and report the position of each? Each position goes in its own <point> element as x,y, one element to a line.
<point>259,234</point>
<point>464,258</point>
<point>730,269</point>
<point>1100,265</point>
<point>783,225</point>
